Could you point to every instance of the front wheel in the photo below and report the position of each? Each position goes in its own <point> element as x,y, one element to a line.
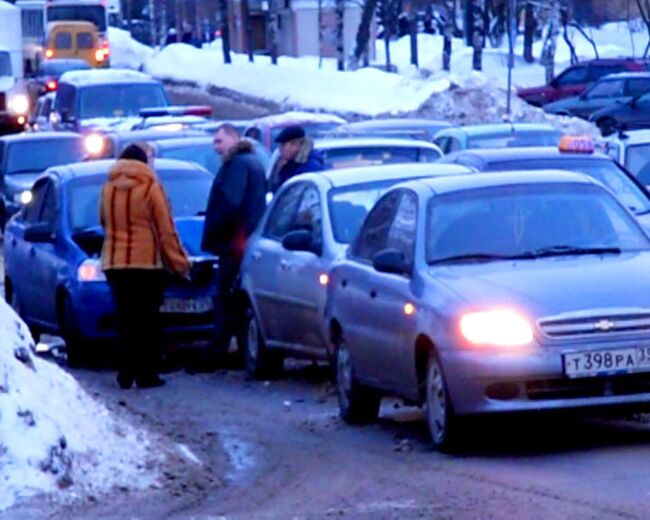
<point>358,404</point>
<point>260,362</point>
<point>440,415</point>
<point>70,333</point>
<point>14,303</point>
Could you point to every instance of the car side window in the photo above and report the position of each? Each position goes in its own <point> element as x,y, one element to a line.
<point>65,98</point>
<point>454,145</point>
<point>283,214</point>
<point>373,235</point>
<point>609,88</point>
<point>573,76</point>
<point>598,71</point>
<point>48,212</point>
<point>309,214</point>
<point>636,87</point>
<point>443,143</point>
<point>31,212</point>
<point>401,235</point>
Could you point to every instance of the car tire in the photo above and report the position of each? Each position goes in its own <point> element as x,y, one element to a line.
<point>439,410</point>
<point>14,303</point>
<point>358,404</point>
<point>76,357</point>
<point>260,362</point>
<point>607,126</point>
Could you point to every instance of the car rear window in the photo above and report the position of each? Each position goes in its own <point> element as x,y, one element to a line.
<point>84,40</point>
<point>604,171</point>
<point>375,155</point>
<point>516,139</point>
<point>35,156</point>
<point>119,100</point>
<point>62,40</point>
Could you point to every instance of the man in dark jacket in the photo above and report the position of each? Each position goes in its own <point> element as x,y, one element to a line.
<point>236,204</point>
<point>297,155</point>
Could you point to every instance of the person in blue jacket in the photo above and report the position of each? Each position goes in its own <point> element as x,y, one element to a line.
<point>297,155</point>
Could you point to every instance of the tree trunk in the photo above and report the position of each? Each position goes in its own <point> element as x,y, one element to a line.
<point>340,34</point>
<point>564,16</point>
<point>273,32</point>
<point>448,34</point>
<point>363,33</point>
<point>529,32</point>
<point>413,35</point>
<point>478,33</point>
<point>644,10</point>
<point>225,30</point>
<point>320,34</point>
<point>246,15</point>
<point>550,41</point>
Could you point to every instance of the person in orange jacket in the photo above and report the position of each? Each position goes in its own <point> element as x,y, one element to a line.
<point>140,243</point>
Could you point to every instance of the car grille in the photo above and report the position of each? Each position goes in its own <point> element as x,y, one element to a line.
<point>3,102</point>
<point>588,387</point>
<point>604,323</point>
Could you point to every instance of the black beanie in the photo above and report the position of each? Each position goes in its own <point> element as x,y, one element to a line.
<point>135,153</point>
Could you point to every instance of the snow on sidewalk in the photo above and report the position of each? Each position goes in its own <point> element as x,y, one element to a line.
<point>54,436</point>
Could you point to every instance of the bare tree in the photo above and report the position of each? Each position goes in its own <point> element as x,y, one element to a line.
<point>363,32</point>
<point>530,24</point>
<point>413,35</point>
<point>644,10</point>
<point>340,34</point>
<point>478,33</point>
<point>550,40</point>
<point>273,31</point>
<point>448,33</point>
<point>225,30</point>
<point>564,15</point>
<point>248,24</point>
<point>320,34</point>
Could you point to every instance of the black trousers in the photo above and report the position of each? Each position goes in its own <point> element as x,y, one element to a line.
<point>225,303</point>
<point>138,294</point>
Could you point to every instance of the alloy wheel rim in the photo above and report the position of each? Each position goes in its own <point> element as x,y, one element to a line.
<point>344,376</point>
<point>436,403</point>
<point>253,337</point>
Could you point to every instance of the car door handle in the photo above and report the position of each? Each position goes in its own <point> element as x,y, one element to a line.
<point>256,255</point>
<point>285,265</point>
<point>373,293</point>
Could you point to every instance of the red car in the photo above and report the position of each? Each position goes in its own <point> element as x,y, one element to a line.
<point>576,78</point>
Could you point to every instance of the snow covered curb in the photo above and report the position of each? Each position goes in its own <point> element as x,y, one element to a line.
<point>54,436</point>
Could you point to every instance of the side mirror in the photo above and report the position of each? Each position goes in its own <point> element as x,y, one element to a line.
<point>40,232</point>
<point>299,240</point>
<point>390,261</point>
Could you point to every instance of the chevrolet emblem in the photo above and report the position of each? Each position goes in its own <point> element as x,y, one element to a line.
<point>604,325</point>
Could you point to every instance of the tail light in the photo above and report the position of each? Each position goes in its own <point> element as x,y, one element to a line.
<point>51,85</point>
<point>49,53</point>
<point>99,55</point>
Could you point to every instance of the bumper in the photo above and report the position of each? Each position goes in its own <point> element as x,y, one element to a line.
<point>96,315</point>
<point>489,382</point>
<point>12,124</point>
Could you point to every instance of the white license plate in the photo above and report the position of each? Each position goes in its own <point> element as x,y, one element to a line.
<point>182,306</point>
<point>601,362</point>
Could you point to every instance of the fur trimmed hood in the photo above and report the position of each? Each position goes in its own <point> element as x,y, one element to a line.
<point>242,146</point>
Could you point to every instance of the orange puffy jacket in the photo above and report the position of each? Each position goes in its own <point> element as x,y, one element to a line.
<point>138,226</point>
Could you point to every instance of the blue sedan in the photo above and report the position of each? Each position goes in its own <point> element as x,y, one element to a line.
<point>53,275</point>
<point>284,273</point>
<point>484,294</point>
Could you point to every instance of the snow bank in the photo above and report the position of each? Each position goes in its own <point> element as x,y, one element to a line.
<point>125,51</point>
<point>53,435</point>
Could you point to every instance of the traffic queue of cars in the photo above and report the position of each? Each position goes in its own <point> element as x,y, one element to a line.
<point>500,268</point>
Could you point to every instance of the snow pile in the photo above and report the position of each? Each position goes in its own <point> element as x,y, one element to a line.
<point>53,435</point>
<point>125,51</point>
<point>366,91</point>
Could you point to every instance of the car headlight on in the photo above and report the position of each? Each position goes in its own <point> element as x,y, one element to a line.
<point>23,197</point>
<point>90,271</point>
<point>19,104</point>
<point>94,144</point>
<point>499,327</point>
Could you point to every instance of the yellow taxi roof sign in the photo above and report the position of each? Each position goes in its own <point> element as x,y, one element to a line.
<point>576,144</point>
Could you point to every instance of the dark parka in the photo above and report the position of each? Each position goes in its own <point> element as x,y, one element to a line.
<point>236,204</point>
<point>307,160</point>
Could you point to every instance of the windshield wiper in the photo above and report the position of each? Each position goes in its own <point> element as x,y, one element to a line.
<point>569,250</point>
<point>473,257</point>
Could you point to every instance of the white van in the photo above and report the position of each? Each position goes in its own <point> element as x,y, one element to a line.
<point>14,102</point>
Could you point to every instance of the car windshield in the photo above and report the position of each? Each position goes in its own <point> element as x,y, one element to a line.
<point>204,155</point>
<point>516,139</point>
<point>119,100</point>
<point>528,221</point>
<point>349,206</point>
<point>187,192</point>
<point>35,156</point>
<point>5,64</point>
<point>637,160</point>
<point>95,14</point>
<point>605,171</point>
<point>58,67</point>
<point>372,155</point>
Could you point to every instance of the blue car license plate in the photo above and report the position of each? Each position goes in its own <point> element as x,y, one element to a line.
<point>600,362</point>
<point>186,306</point>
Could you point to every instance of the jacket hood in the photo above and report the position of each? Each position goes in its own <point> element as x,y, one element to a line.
<point>242,146</point>
<point>127,173</point>
<point>551,286</point>
<point>305,151</point>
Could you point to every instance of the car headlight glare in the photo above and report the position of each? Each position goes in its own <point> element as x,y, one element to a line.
<point>19,104</point>
<point>94,144</point>
<point>23,197</point>
<point>90,271</point>
<point>500,327</point>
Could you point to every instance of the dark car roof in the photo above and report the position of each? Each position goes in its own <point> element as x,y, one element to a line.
<point>101,167</point>
<point>38,136</point>
<point>488,155</point>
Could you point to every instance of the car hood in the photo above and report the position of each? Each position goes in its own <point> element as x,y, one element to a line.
<point>562,104</point>
<point>551,286</point>
<point>21,181</point>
